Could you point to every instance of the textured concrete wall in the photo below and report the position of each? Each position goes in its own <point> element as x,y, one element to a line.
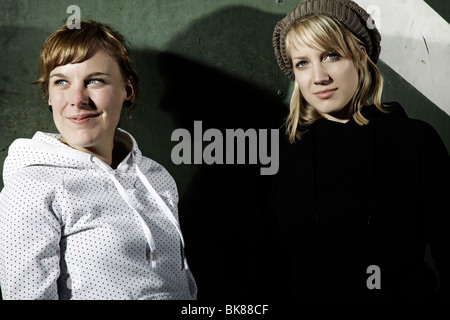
<point>198,60</point>
<point>228,38</point>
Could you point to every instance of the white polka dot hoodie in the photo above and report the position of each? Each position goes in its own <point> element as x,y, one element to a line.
<point>71,227</point>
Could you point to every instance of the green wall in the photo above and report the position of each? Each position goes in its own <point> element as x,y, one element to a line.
<point>198,60</point>
<point>229,38</point>
<point>224,38</point>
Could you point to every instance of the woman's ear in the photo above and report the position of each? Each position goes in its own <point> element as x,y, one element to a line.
<point>130,91</point>
<point>363,55</point>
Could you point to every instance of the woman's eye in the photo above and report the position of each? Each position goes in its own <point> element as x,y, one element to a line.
<point>95,81</point>
<point>332,56</point>
<point>60,82</point>
<point>301,64</point>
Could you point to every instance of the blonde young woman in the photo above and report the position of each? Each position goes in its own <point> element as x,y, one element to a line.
<point>362,189</point>
<point>83,214</point>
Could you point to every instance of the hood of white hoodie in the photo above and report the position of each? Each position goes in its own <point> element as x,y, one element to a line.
<point>40,150</point>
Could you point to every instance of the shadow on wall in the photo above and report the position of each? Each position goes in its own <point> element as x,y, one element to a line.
<point>222,208</point>
<point>220,71</point>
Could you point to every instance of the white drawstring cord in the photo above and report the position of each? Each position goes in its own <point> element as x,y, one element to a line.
<point>155,195</point>
<point>164,208</point>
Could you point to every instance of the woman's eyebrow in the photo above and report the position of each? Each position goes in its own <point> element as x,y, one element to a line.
<point>299,58</point>
<point>94,74</point>
<point>324,52</point>
<point>59,75</point>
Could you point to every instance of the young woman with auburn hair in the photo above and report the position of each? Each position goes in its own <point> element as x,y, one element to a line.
<point>83,214</point>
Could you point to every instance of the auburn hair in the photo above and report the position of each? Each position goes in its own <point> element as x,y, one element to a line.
<point>66,46</point>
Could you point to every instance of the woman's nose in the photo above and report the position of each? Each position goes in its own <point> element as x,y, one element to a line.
<point>79,97</point>
<point>321,75</point>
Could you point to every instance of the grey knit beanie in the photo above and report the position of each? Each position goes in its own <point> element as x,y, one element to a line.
<point>347,12</point>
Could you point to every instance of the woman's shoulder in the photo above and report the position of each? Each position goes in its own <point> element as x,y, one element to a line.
<point>30,190</point>
<point>150,165</point>
<point>394,115</point>
<point>44,152</point>
<point>390,111</point>
<point>395,124</point>
<point>34,179</point>
<point>156,172</point>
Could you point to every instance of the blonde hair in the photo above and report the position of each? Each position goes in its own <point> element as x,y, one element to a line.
<point>66,46</point>
<point>321,31</point>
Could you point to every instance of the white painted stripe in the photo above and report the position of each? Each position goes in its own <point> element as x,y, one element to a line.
<point>416,44</point>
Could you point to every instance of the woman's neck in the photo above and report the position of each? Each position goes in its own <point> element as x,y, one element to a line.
<point>103,151</point>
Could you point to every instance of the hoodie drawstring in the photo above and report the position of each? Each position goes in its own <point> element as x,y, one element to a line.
<point>164,208</point>
<point>155,195</point>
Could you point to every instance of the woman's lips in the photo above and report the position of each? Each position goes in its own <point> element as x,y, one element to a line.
<point>325,94</point>
<point>83,118</point>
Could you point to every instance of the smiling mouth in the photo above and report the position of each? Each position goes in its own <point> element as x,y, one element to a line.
<point>82,118</point>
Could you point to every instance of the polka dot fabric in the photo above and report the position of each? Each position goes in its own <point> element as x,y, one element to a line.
<point>66,232</point>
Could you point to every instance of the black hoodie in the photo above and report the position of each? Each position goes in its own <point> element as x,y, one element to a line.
<point>347,197</point>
